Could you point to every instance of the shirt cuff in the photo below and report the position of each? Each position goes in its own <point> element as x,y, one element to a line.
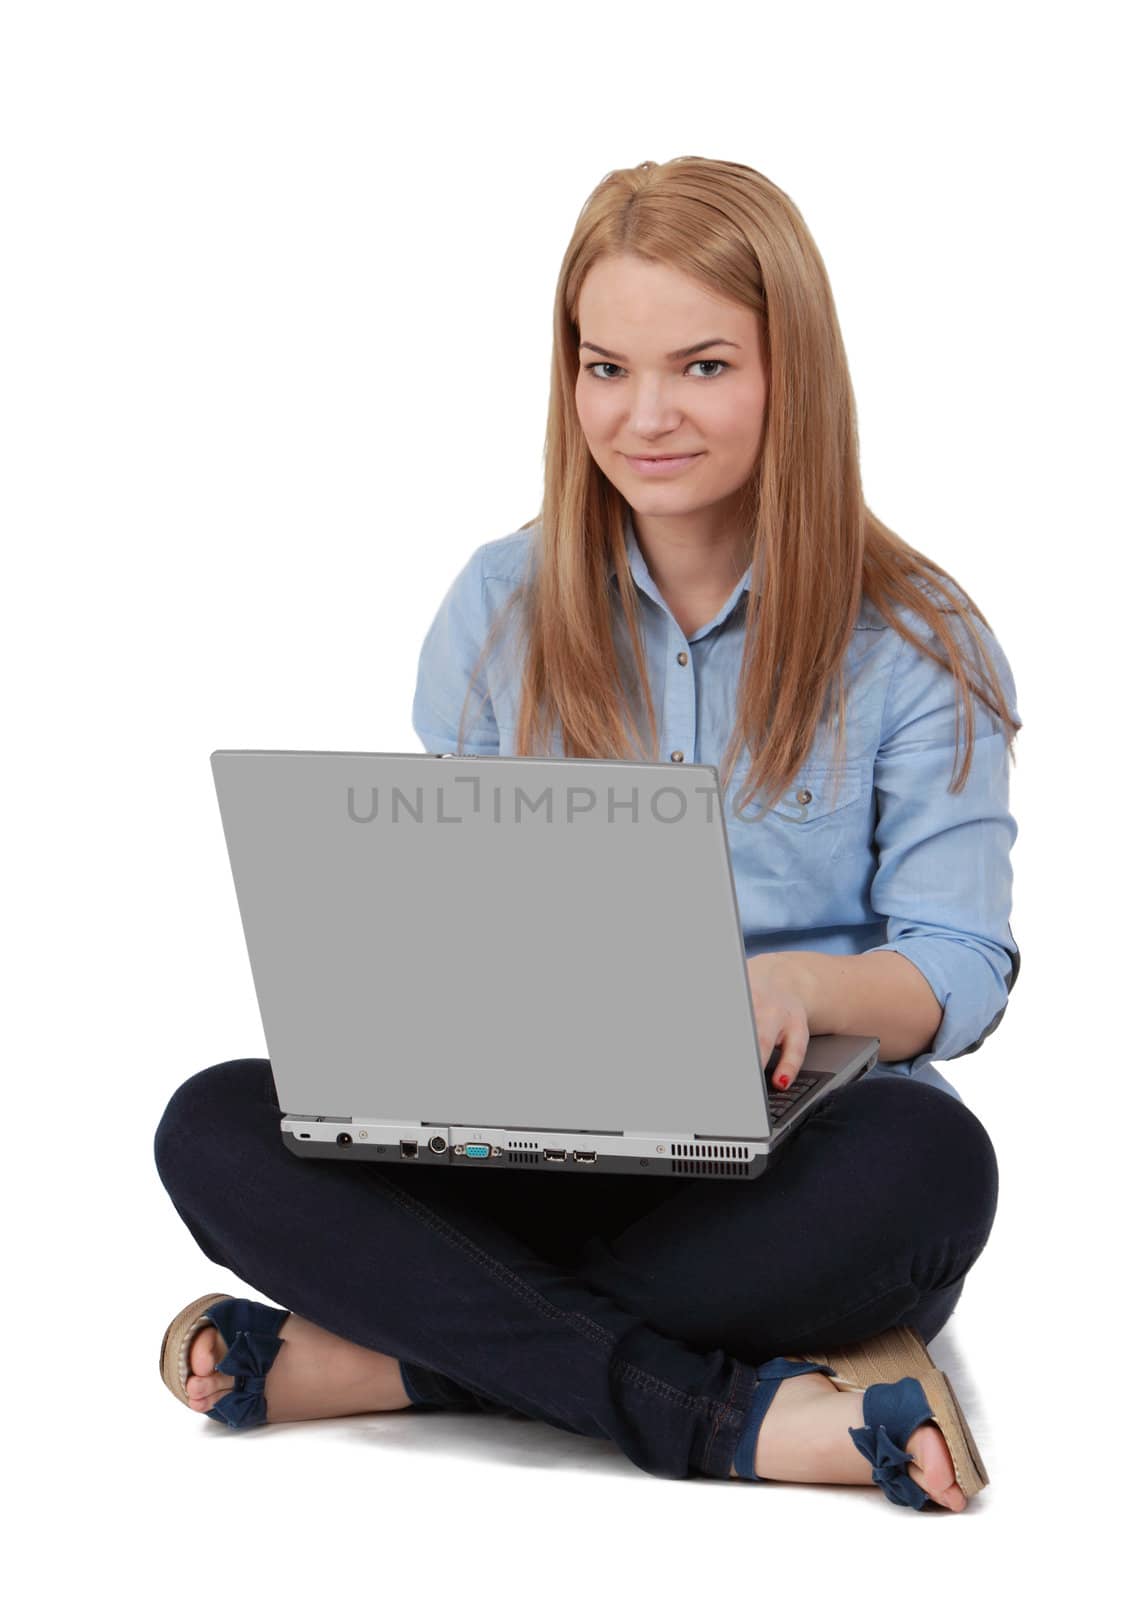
<point>971,982</point>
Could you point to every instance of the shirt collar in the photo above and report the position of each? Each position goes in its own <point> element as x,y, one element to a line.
<point>641,573</point>
<point>869,616</point>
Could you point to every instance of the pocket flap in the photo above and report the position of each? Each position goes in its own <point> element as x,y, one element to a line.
<point>816,792</point>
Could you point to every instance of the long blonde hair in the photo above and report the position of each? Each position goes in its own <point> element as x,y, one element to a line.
<point>816,548</point>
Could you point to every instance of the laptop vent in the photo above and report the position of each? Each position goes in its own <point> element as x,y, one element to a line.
<point>523,1152</point>
<point>712,1160</point>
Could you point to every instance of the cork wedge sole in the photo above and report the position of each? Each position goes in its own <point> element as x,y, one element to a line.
<point>898,1353</point>
<point>181,1330</point>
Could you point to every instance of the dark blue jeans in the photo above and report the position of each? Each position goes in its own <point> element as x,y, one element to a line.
<point>618,1307</point>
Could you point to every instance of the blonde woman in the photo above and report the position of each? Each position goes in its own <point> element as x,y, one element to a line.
<point>704,583</point>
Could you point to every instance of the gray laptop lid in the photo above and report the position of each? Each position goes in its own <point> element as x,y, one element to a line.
<point>504,941</point>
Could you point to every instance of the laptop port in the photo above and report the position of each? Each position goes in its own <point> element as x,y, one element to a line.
<point>554,1155</point>
<point>477,1151</point>
<point>438,1144</point>
<point>408,1147</point>
<point>585,1155</point>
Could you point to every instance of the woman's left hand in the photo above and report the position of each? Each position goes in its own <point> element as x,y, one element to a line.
<point>779,1008</point>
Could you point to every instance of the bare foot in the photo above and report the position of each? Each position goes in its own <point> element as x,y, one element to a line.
<point>804,1438</point>
<point>315,1374</point>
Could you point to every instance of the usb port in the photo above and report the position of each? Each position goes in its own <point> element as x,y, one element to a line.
<point>585,1155</point>
<point>554,1155</point>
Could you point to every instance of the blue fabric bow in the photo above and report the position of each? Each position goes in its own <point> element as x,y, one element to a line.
<point>248,1360</point>
<point>902,1407</point>
<point>889,1465</point>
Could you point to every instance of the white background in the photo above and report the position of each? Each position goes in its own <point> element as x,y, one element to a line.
<point>276,309</point>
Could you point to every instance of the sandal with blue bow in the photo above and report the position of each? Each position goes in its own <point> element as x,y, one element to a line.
<point>903,1389</point>
<point>251,1330</point>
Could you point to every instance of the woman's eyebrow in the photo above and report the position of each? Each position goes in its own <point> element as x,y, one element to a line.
<point>674,355</point>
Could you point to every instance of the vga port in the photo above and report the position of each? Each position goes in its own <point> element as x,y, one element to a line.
<point>476,1152</point>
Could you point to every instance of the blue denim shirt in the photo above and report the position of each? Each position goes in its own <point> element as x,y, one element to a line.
<point>890,861</point>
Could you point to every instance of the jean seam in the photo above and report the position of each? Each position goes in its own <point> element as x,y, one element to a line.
<point>901,1283</point>
<point>593,1330</point>
<point>733,1408</point>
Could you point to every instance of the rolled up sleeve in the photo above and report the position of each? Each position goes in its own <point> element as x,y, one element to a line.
<point>944,879</point>
<point>448,655</point>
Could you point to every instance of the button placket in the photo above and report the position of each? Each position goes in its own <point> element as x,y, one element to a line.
<point>680,710</point>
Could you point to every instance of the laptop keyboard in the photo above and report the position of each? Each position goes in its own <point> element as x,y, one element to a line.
<point>780,1100</point>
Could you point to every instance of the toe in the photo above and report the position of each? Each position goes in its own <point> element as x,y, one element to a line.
<point>203,1382</point>
<point>933,1467</point>
<point>217,1383</point>
<point>207,1348</point>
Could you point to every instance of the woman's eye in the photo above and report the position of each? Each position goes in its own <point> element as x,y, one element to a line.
<point>591,367</point>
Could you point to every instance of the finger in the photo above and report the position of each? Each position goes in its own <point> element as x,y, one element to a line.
<point>792,1055</point>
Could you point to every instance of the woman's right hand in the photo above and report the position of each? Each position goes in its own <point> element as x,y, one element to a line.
<point>780,1014</point>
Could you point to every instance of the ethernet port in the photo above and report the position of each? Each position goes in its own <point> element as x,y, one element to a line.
<point>408,1147</point>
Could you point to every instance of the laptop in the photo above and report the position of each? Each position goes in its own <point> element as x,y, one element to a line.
<point>504,962</point>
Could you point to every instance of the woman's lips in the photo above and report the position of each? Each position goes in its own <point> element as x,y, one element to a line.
<point>660,466</point>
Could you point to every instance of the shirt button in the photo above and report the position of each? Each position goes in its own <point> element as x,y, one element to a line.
<point>682,658</point>
<point>804,796</point>
<point>676,755</point>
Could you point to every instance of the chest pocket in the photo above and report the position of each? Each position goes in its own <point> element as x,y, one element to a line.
<point>810,802</point>
<point>790,862</point>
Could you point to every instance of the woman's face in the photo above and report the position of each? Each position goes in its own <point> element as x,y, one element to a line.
<point>641,400</point>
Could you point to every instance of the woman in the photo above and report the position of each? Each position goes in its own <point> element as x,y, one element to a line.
<point>726,605</point>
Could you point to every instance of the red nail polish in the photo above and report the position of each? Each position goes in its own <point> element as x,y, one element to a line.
<point>783,1083</point>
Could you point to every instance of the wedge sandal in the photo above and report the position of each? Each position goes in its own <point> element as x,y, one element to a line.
<point>251,1331</point>
<point>902,1388</point>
